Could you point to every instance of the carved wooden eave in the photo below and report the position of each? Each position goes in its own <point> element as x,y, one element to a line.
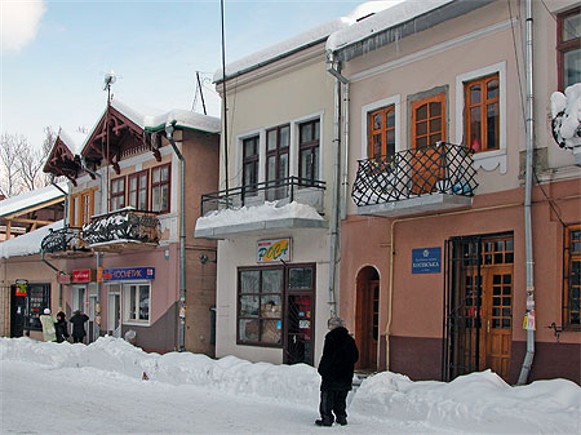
<point>114,134</point>
<point>62,162</point>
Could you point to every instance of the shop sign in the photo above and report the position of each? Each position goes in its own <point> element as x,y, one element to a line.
<point>426,260</point>
<point>128,273</point>
<point>82,275</point>
<point>269,251</point>
<point>64,278</point>
<point>21,287</point>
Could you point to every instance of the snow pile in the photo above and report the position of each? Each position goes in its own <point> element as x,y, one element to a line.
<point>566,114</point>
<point>268,211</point>
<point>477,403</point>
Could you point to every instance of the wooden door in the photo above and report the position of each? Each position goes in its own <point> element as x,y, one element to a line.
<point>368,324</point>
<point>497,313</point>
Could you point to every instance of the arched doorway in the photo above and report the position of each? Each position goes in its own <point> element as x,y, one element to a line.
<point>367,328</point>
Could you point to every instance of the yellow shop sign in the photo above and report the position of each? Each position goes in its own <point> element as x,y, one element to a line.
<point>269,251</point>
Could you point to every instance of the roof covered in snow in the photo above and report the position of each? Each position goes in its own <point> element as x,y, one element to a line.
<point>74,141</point>
<point>31,199</point>
<point>29,243</point>
<point>301,41</point>
<point>156,119</point>
<point>404,18</point>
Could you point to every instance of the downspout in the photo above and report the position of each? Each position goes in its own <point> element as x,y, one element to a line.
<point>530,285</point>
<point>334,239</point>
<point>169,129</point>
<point>60,298</point>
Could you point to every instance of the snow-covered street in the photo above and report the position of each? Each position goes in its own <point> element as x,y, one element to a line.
<point>100,389</point>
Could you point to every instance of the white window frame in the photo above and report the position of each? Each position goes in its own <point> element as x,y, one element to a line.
<point>126,307</point>
<point>487,160</point>
<point>371,107</point>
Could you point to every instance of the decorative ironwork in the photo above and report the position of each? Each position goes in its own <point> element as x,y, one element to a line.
<point>66,239</point>
<point>440,168</point>
<point>125,225</point>
<point>286,188</point>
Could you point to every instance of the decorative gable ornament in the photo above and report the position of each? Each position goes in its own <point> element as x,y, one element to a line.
<point>566,119</point>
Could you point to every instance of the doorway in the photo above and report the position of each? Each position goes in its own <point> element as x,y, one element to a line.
<point>479,300</point>
<point>114,311</point>
<point>367,328</point>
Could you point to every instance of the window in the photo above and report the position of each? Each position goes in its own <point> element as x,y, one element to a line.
<point>309,134</point>
<point>250,165</point>
<point>482,98</point>
<point>160,189</point>
<point>572,278</point>
<point>569,48</point>
<point>118,193</point>
<point>38,300</point>
<point>79,298</point>
<point>82,207</point>
<point>260,294</point>
<point>381,128</point>
<point>277,159</point>
<point>428,121</point>
<point>136,302</point>
<point>138,190</point>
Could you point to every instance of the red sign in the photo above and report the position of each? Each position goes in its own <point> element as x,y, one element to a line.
<point>82,275</point>
<point>63,278</point>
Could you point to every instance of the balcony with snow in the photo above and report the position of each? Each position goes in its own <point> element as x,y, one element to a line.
<point>435,178</point>
<point>64,242</point>
<point>122,230</point>
<point>566,120</point>
<point>290,203</point>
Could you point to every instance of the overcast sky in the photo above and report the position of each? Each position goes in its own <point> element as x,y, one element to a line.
<point>54,54</point>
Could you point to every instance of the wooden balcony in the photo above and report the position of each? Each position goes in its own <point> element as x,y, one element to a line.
<point>432,179</point>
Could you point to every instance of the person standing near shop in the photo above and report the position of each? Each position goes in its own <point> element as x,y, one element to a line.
<point>336,368</point>
<point>62,327</point>
<point>78,321</point>
<point>48,325</point>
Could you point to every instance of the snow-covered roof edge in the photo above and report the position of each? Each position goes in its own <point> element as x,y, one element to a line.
<point>33,198</point>
<point>29,243</point>
<point>155,119</point>
<point>301,41</point>
<point>74,141</point>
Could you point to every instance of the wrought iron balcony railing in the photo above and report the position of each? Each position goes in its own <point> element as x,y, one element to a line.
<point>441,168</point>
<point>67,239</point>
<point>291,188</point>
<point>125,225</point>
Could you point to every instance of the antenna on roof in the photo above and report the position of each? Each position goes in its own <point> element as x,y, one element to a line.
<point>108,80</point>
<point>200,91</point>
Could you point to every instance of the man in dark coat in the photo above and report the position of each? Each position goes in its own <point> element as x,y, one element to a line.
<point>336,369</point>
<point>61,327</point>
<point>78,321</point>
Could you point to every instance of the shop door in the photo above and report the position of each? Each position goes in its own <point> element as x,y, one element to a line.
<point>18,312</point>
<point>114,315</point>
<point>479,295</point>
<point>298,314</point>
<point>367,320</point>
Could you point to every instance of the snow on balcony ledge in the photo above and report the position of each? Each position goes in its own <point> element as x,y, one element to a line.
<point>269,216</point>
<point>566,116</point>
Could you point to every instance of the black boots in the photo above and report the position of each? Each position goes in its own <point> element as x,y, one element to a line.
<point>342,421</point>
<point>322,422</point>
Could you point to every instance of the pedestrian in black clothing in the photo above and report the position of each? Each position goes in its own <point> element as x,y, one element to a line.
<point>61,327</point>
<point>336,369</point>
<point>78,321</point>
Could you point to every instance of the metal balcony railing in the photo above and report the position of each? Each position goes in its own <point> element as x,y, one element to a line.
<point>67,239</point>
<point>125,225</point>
<point>441,168</point>
<point>287,188</point>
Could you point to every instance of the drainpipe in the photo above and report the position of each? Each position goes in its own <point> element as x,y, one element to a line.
<point>334,240</point>
<point>65,224</point>
<point>530,285</point>
<point>169,129</point>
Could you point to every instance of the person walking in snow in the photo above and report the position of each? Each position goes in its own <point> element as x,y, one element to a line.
<point>48,327</point>
<point>336,368</point>
<point>61,327</point>
<point>78,321</point>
